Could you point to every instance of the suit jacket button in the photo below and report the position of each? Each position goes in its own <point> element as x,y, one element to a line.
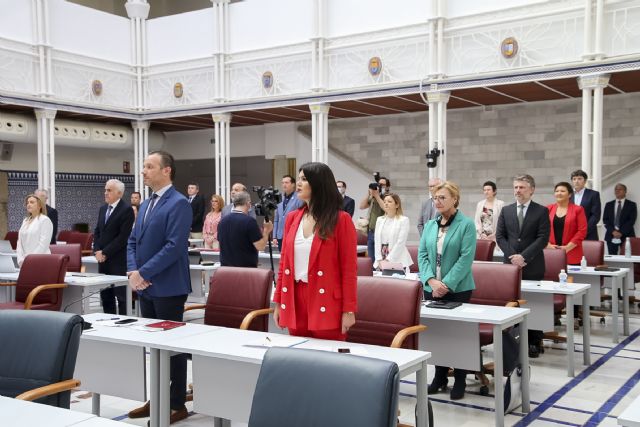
<point>282,306</point>
<point>284,289</point>
<point>320,273</point>
<point>518,241</point>
<point>321,290</point>
<point>322,309</point>
<point>286,271</point>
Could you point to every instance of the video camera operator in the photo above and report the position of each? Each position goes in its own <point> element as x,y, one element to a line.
<point>374,201</point>
<point>239,235</point>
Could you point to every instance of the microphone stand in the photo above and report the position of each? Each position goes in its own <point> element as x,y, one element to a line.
<point>87,296</point>
<point>266,218</point>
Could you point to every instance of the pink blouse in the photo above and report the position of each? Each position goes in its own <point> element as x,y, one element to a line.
<point>210,229</point>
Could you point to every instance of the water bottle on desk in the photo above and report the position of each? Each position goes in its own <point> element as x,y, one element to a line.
<point>627,248</point>
<point>562,278</point>
<point>583,263</point>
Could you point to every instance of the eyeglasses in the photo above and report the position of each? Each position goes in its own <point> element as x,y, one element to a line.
<point>441,198</point>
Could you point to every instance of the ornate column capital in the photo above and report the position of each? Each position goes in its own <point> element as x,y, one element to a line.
<point>438,96</point>
<point>221,117</point>
<point>140,124</point>
<point>593,81</point>
<point>319,108</point>
<point>137,9</point>
<point>45,113</point>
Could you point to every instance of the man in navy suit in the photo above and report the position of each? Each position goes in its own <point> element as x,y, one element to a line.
<point>589,200</point>
<point>348,204</point>
<point>110,236</point>
<point>158,263</point>
<point>619,219</point>
<point>288,204</point>
<point>197,206</point>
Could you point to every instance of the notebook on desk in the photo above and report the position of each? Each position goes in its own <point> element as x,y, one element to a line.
<point>606,268</point>
<point>447,305</point>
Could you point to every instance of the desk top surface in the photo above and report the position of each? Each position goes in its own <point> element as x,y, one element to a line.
<point>77,279</point>
<point>476,313</point>
<point>630,417</point>
<point>590,271</point>
<point>622,259</point>
<point>548,287</point>
<point>15,412</point>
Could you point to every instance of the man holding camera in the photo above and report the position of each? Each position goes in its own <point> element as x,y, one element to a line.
<point>288,204</point>
<point>239,235</point>
<point>373,201</point>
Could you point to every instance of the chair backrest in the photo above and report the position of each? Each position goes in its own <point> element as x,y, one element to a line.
<point>75,255</point>
<point>635,250</point>
<point>84,239</point>
<point>236,291</point>
<point>385,306</point>
<point>12,237</point>
<point>554,261</point>
<point>42,269</point>
<point>323,388</point>
<point>484,250</point>
<point>365,266</point>
<point>593,251</point>
<point>40,349</point>
<point>362,238</point>
<point>496,284</point>
<point>413,251</point>
<point>63,236</point>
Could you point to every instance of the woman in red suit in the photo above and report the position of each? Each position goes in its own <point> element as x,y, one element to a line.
<point>568,224</point>
<point>316,291</point>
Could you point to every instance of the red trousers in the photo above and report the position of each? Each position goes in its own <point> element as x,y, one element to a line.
<point>302,318</point>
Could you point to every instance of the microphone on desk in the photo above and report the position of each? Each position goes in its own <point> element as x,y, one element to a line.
<point>85,324</point>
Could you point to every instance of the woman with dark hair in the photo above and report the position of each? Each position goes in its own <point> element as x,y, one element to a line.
<point>488,212</point>
<point>316,291</point>
<point>568,224</point>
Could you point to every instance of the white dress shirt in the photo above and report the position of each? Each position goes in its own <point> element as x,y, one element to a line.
<point>301,253</point>
<point>34,237</point>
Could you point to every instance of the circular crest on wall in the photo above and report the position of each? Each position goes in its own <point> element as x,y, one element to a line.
<point>375,66</point>
<point>96,87</point>
<point>267,80</point>
<point>178,90</point>
<point>509,47</point>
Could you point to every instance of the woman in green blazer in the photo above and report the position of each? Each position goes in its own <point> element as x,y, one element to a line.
<point>445,256</point>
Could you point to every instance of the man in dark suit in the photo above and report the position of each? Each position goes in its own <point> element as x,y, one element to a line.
<point>52,213</point>
<point>197,207</point>
<point>428,209</point>
<point>158,264</point>
<point>110,236</point>
<point>589,200</point>
<point>348,204</point>
<point>619,219</point>
<point>522,234</point>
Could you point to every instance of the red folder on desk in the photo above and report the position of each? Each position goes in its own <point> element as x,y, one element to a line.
<point>165,325</point>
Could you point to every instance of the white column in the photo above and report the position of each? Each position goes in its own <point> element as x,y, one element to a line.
<point>588,32</point>
<point>437,101</point>
<point>318,63</point>
<point>138,11</point>
<point>140,150</point>
<point>46,153</point>
<point>222,147</point>
<point>220,44</point>
<point>320,132</point>
<point>592,125</point>
<point>40,18</point>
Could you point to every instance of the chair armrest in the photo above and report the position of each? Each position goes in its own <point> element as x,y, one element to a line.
<point>246,322</point>
<point>402,334</point>
<point>35,291</point>
<point>194,307</point>
<point>48,390</point>
<point>517,303</point>
<point>87,252</point>
<point>8,283</point>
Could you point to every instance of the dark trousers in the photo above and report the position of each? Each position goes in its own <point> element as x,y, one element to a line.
<point>371,246</point>
<point>109,296</point>
<point>280,245</point>
<point>170,308</point>
<point>613,247</point>
<point>464,296</point>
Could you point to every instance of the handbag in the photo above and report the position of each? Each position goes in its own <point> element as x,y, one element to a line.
<point>512,390</point>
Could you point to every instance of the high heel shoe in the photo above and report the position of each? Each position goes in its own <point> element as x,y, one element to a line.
<point>437,385</point>
<point>459,385</point>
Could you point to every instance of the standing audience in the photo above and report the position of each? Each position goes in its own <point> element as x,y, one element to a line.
<point>373,201</point>
<point>50,212</point>
<point>197,208</point>
<point>428,210</point>
<point>392,230</point>
<point>488,212</point>
<point>348,204</point>
<point>210,227</point>
<point>589,200</point>
<point>568,224</point>
<point>35,232</point>
<point>288,204</point>
<point>619,219</point>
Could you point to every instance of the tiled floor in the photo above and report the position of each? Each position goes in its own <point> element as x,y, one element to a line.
<point>594,397</point>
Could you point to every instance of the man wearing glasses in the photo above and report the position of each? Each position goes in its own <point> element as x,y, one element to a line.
<point>428,210</point>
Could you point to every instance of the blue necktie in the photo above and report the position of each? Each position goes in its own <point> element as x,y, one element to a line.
<point>108,214</point>
<point>154,197</point>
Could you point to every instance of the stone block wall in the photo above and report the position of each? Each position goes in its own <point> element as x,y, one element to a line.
<point>542,139</point>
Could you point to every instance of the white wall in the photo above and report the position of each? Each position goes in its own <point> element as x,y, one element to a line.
<point>355,16</point>
<point>280,139</point>
<point>187,145</point>
<point>89,32</point>
<point>256,24</point>
<point>179,37</point>
<point>457,8</point>
<point>15,20</point>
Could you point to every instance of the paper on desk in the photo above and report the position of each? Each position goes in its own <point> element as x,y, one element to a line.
<point>277,340</point>
<point>353,349</point>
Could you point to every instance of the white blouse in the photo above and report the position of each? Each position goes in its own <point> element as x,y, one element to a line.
<point>34,237</point>
<point>301,253</point>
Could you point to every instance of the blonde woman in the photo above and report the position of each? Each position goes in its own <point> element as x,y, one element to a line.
<point>36,230</point>
<point>391,233</point>
<point>211,221</point>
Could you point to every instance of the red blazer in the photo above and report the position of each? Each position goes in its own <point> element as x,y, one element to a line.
<point>575,230</point>
<point>332,275</point>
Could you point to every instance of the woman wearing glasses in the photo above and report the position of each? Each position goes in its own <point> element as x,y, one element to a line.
<point>445,256</point>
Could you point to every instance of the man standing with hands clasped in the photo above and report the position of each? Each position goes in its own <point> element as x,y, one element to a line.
<point>158,264</point>
<point>522,234</point>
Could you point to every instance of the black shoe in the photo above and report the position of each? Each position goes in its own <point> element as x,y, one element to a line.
<point>459,385</point>
<point>533,351</point>
<point>437,385</point>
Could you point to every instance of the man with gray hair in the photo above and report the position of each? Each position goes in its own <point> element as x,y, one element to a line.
<point>239,235</point>
<point>428,210</point>
<point>236,188</point>
<point>115,221</point>
<point>522,234</point>
<point>43,195</point>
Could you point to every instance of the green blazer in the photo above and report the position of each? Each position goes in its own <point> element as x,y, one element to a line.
<point>458,251</point>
